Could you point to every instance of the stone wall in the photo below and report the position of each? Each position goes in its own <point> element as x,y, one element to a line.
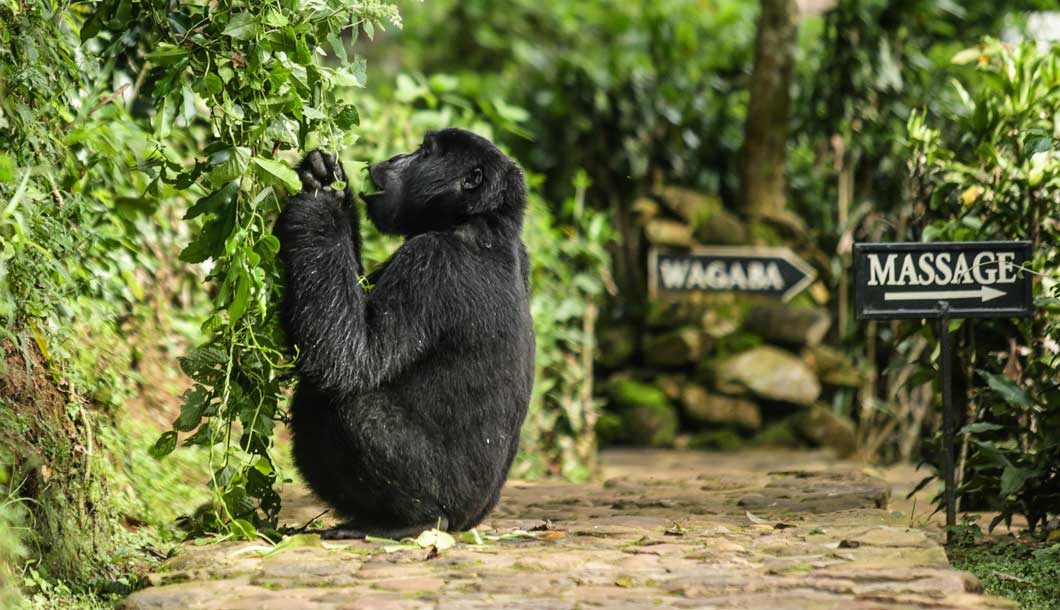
<point>717,370</point>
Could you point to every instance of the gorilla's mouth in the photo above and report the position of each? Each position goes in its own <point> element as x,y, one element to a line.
<point>376,177</point>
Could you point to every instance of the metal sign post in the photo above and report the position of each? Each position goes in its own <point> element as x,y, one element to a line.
<point>943,281</point>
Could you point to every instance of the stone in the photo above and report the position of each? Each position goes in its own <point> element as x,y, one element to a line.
<point>646,208</point>
<point>769,373</point>
<point>780,433</point>
<point>788,324</point>
<point>646,416</point>
<point>615,345</point>
<point>674,348</point>
<point>665,529</point>
<point>712,408</point>
<point>650,425</point>
<point>720,440</point>
<point>692,206</point>
<point>833,367</point>
<point>717,324</point>
<point>627,392</point>
<point>721,228</point>
<point>671,385</point>
<point>825,428</point>
<point>664,232</point>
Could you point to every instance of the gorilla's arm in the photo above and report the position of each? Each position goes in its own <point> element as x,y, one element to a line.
<point>350,341</point>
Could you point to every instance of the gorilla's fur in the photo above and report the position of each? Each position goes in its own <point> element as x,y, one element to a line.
<point>411,392</point>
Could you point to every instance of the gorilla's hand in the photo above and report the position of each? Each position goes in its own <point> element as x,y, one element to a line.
<point>320,170</point>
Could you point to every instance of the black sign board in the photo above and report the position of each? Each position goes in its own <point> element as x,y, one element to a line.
<point>943,280</point>
<point>746,269</point>
<point>979,279</point>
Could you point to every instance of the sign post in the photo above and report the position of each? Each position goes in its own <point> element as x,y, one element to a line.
<point>943,281</point>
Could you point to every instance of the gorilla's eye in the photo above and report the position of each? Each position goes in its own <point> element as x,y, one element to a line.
<point>473,179</point>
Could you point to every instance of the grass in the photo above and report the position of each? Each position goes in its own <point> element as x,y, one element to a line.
<point>1023,570</point>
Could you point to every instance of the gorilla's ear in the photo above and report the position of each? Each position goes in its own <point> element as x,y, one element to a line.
<point>472,180</point>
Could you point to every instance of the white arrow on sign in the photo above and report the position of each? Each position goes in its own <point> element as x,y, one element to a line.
<point>986,293</point>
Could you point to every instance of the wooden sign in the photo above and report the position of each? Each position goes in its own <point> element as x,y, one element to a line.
<point>775,272</point>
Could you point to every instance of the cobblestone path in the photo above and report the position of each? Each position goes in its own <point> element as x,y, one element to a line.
<point>756,530</point>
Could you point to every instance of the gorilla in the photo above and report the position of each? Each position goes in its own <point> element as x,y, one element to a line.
<point>413,383</point>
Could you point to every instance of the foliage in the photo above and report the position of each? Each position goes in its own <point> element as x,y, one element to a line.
<point>993,172</point>
<point>1021,570</point>
<point>77,241</point>
<point>862,71</point>
<point>233,88</point>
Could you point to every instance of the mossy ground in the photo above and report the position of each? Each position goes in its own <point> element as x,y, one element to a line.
<point>1024,571</point>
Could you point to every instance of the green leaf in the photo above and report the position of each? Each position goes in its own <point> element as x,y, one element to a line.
<point>240,298</point>
<point>1013,479</point>
<point>167,54</point>
<point>1007,390</point>
<point>347,117</point>
<point>164,445</point>
<point>232,167</point>
<point>980,427</point>
<point>274,173</point>
<point>7,169</point>
<point>214,201</point>
<point>275,18</point>
<point>191,409</point>
<point>242,26</point>
<point>967,56</point>
<point>209,85</point>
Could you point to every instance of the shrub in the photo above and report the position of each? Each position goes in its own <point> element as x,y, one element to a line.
<point>991,170</point>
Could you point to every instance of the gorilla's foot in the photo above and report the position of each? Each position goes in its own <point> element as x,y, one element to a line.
<point>347,531</point>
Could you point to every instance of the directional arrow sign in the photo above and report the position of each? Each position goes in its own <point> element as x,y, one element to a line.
<point>926,280</point>
<point>776,272</point>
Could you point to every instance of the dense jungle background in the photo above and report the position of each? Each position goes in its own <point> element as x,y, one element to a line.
<point>147,146</point>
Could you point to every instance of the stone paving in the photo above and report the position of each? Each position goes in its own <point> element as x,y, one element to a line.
<point>752,530</point>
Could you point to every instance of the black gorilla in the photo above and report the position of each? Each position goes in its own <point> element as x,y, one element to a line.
<point>412,391</point>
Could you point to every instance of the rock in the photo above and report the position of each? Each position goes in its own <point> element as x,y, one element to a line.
<point>721,228</point>
<point>615,345</point>
<point>779,434</point>
<point>833,367</point>
<point>631,393</point>
<point>717,324</point>
<point>650,425</point>
<point>823,427</point>
<point>722,440</point>
<point>769,373</point>
<point>675,348</point>
<point>670,385</point>
<point>788,324</point>
<point>703,406</point>
<point>663,232</point>
<point>647,416</point>
<point>692,206</point>
<point>645,208</point>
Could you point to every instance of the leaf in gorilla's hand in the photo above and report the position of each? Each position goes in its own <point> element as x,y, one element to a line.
<point>275,173</point>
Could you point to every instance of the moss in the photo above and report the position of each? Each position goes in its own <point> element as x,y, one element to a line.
<point>1025,572</point>
<point>629,393</point>
<point>778,434</point>
<point>723,440</point>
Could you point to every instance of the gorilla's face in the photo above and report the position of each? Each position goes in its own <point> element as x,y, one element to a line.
<point>454,175</point>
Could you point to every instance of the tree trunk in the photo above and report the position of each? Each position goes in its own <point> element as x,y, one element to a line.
<point>766,132</point>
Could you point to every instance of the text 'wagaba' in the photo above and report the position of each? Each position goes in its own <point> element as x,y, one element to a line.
<point>758,270</point>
